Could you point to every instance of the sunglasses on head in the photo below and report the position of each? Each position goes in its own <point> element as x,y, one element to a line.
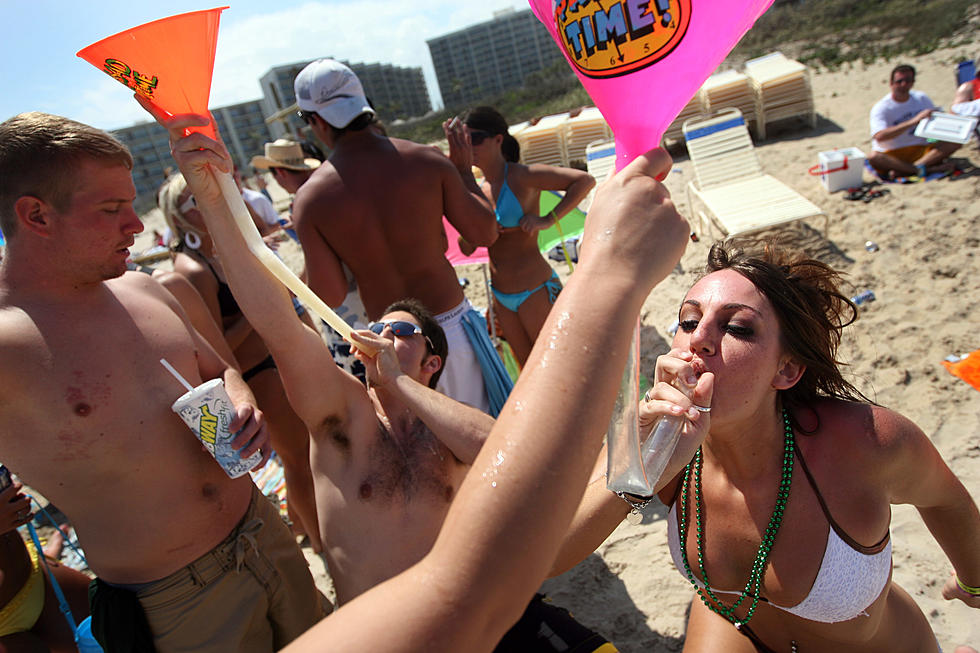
<point>401,329</point>
<point>306,116</point>
<point>188,204</point>
<point>477,136</point>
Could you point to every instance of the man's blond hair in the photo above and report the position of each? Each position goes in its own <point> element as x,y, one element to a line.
<point>38,154</point>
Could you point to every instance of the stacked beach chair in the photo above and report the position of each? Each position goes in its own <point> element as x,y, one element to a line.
<point>782,90</point>
<point>544,142</point>
<point>693,108</point>
<point>587,127</point>
<point>731,89</point>
<point>600,160</point>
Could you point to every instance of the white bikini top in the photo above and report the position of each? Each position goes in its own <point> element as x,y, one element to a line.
<point>851,576</point>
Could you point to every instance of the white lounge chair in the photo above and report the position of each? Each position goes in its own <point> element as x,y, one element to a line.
<point>600,161</point>
<point>737,196</point>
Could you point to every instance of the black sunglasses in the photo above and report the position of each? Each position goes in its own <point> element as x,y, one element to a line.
<point>477,136</point>
<point>402,330</point>
<point>306,116</point>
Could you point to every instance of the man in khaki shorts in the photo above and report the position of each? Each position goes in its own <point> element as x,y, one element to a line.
<point>85,412</point>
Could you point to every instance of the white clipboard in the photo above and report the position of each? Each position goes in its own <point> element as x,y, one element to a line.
<point>948,127</point>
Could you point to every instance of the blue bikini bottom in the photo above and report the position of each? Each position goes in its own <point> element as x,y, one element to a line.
<point>513,300</point>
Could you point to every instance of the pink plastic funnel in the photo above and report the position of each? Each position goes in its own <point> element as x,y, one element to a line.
<point>643,60</point>
<point>170,61</point>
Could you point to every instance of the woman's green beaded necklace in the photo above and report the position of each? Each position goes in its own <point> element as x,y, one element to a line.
<point>754,582</point>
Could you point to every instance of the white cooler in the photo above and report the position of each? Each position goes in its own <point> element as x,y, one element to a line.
<point>839,169</point>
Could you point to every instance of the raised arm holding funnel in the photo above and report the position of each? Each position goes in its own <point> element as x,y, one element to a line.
<point>495,546</point>
<point>387,459</point>
<point>379,514</point>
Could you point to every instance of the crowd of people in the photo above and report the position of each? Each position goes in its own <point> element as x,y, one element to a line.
<point>439,493</point>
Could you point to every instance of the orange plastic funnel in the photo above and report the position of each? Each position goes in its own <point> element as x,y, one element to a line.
<point>170,61</point>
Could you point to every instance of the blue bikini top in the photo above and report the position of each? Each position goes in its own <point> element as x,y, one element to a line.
<point>509,211</point>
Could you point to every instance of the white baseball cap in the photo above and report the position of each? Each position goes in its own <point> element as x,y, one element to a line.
<point>332,90</point>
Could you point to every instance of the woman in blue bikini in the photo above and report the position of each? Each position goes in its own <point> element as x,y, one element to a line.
<point>523,283</point>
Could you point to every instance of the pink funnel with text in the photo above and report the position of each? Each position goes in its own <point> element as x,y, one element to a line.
<point>643,60</point>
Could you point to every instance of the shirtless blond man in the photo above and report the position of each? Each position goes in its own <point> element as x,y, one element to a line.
<point>376,205</point>
<point>85,407</point>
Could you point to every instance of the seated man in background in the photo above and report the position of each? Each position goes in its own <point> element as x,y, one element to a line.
<point>896,151</point>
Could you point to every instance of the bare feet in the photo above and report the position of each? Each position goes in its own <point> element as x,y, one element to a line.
<point>945,166</point>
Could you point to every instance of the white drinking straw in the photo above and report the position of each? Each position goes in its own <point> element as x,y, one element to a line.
<point>170,368</point>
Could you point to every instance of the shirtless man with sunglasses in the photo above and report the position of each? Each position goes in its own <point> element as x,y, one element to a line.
<point>387,459</point>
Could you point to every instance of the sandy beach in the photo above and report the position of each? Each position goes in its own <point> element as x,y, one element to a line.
<point>926,279</point>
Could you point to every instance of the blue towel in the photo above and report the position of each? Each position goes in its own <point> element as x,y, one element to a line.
<point>495,377</point>
<point>932,176</point>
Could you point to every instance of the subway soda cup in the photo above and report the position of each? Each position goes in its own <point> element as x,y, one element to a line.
<point>208,411</point>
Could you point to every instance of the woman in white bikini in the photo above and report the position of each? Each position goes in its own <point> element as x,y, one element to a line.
<point>524,284</point>
<point>781,519</point>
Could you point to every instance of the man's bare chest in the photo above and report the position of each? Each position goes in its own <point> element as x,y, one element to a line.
<point>389,468</point>
<point>83,383</point>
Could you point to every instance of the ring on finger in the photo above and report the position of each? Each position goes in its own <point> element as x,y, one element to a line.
<point>702,409</point>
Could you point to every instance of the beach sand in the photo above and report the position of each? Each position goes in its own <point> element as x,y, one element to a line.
<point>926,279</point>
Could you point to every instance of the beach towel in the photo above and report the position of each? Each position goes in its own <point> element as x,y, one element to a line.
<point>966,367</point>
<point>496,380</point>
<point>904,180</point>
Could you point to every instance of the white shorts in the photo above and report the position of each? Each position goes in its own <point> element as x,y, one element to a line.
<point>462,377</point>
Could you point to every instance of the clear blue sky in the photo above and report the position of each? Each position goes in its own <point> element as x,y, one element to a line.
<point>40,38</point>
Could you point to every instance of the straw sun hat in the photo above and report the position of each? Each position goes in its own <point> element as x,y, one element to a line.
<point>284,153</point>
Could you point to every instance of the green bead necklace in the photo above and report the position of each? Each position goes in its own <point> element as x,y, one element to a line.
<point>765,546</point>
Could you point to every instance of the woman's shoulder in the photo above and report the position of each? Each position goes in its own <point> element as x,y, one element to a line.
<point>861,427</point>
<point>195,271</point>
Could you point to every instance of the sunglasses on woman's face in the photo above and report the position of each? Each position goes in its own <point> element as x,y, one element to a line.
<point>478,136</point>
<point>401,329</point>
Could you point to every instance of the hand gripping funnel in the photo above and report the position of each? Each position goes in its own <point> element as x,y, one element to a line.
<point>170,61</point>
<point>643,60</point>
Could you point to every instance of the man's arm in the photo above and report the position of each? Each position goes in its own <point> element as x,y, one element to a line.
<point>502,531</point>
<point>500,536</point>
<point>463,429</point>
<point>881,131</point>
<point>324,271</point>
<point>315,386</point>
